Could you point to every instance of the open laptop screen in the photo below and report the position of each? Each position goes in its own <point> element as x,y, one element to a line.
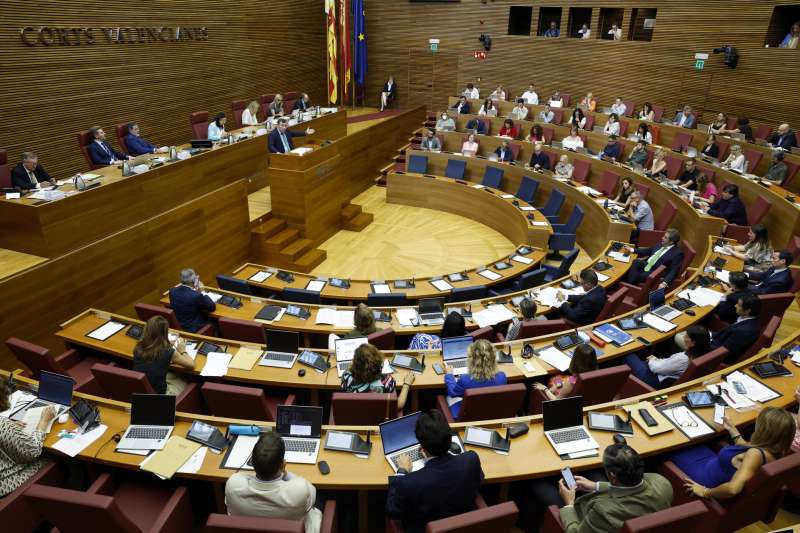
<point>55,388</point>
<point>656,299</point>
<point>299,421</point>
<point>346,348</point>
<point>153,410</point>
<point>455,347</point>
<point>283,341</point>
<point>399,433</point>
<point>565,413</point>
<point>430,305</point>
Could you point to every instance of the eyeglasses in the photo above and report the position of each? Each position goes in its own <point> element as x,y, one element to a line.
<point>527,351</point>
<point>686,420</point>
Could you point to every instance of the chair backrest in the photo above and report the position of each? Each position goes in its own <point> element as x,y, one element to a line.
<point>658,113</point>
<point>71,510</point>
<point>758,210</point>
<point>301,295</point>
<point>580,170</point>
<point>363,409</point>
<point>382,339</point>
<point>487,125</point>
<point>649,284</point>
<point>600,386</point>
<point>792,169</point>
<point>558,115</point>
<point>145,311</point>
<point>120,383</point>
<point>199,122</point>
<point>794,247</point>
<point>35,357</point>
<point>703,365</point>
<point>5,173</point>
<point>630,106</point>
<point>122,131</point>
<point>386,300</point>
<point>527,189</point>
<point>463,294</point>
<point>666,216</point>
<point>455,169</point>
<point>237,108</point>
<point>266,99</point>
<point>554,203</point>
<point>674,166</point>
<point>753,158</point>
<point>643,189</point>
<point>234,401</point>
<point>492,177</point>
<point>486,332</point>
<point>84,139</point>
<point>486,403</point>
<point>418,164</point>
<point>529,280</point>
<point>561,241</point>
<point>574,220</point>
<point>795,276</point>
<point>566,97</point>
<point>686,517</point>
<point>623,132</point>
<point>681,141</point>
<point>224,523</point>
<point>589,126</point>
<point>551,157</point>
<point>730,122</point>
<point>762,131</point>
<point>612,304</point>
<point>723,146</point>
<point>608,183</point>
<point>689,253</point>
<point>290,95</point>
<point>229,283</point>
<point>514,147</point>
<point>536,328</point>
<point>499,518</point>
<point>764,339</point>
<point>566,263</point>
<point>774,304</point>
<point>708,171</point>
<point>548,134</point>
<point>242,330</point>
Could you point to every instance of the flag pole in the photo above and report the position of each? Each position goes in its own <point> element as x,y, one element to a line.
<point>352,38</point>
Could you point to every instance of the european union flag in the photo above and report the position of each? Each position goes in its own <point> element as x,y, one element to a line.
<point>360,37</point>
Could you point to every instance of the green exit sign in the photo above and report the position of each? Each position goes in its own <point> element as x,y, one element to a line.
<point>699,64</point>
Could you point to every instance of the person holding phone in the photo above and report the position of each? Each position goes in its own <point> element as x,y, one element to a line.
<point>154,354</point>
<point>190,303</point>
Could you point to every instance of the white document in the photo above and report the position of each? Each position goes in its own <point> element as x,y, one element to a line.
<point>720,250</point>
<point>756,391</point>
<point>719,413</point>
<point>702,296</point>
<point>381,288</point>
<point>338,439</point>
<point>74,446</point>
<point>723,275</point>
<point>301,150</point>
<point>740,402</point>
<point>527,208</point>
<point>240,452</point>
<point>502,312</point>
<point>441,285</point>
<point>479,435</point>
<point>191,350</point>
<point>315,285</point>
<point>507,196</point>
<point>537,223</point>
<point>343,320</point>
<point>601,276</point>
<point>485,317</point>
<point>216,364</point>
<point>407,316</point>
<point>18,397</point>
<point>13,196</point>
<point>106,330</point>
<point>685,419</point>
<point>489,274</point>
<point>260,276</point>
<point>555,358</point>
<point>387,368</point>
<point>326,315</point>
<point>547,296</point>
<point>522,259</point>
<point>656,322</point>
<point>33,416</point>
<point>588,190</point>
<point>620,257</point>
<point>215,296</point>
<point>796,357</point>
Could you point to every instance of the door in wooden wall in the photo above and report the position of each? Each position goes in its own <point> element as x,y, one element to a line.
<point>431,77</point>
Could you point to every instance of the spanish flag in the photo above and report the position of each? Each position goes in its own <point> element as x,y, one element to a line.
<point>333,62</point>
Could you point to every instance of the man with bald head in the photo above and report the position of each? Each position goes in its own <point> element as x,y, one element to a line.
<point>784,138</point>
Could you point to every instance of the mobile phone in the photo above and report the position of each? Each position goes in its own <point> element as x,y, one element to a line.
<point>738,387</point>
<point>569,479</point>
<point>438,369</point>
<point>643,341</point>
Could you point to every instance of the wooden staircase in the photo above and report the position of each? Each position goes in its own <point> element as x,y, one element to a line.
<point>354,219</point>
<point>273,243</point>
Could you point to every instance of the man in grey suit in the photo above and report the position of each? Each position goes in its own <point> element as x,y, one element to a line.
<point>685,118</point>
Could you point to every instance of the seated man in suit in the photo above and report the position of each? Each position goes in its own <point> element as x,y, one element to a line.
<point>729,206</point>
<point>612,149</point>
<point>539,159</point>
<point>685,118</point>
<point>776,278</point>
<point>504,153</point>
<point>138,146</point>
<point>784,138</point>
<point>271,491</point>
<point>475,125</point>
<point>280,140</point>
<point>29,174</point>
<point>462,106</point>
<point>100,151</point>
<point>446,486</point>
<point>302,103</point>
<point>735,289</point>
<point>189,303</point>
<point>583,309</point>
<point>667,253</point>
<point>431,142</point>
<point>740,336</point>
<point>545,115</point>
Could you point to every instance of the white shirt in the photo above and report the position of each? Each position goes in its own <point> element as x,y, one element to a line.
<point>519,113</point>
<point>580,123</point>
<point>290,497</point>
<point>585,33</point>
<point>616,34</point>
<point>738,163</point>
<point>249,119</point>
<point>671,367</point>
<point>469,148</point>
<point>683,119</point>
<point>471,93</point>
<point>530,97</point>
<point>492,112</point>
<point>501,95</point>
<point>215,133</point>
<point>611,128</point>
<point>648,138</point>
<point>572,143</point>
<point>557,103</point>
<point>619,109</point>
<point>546,118</point>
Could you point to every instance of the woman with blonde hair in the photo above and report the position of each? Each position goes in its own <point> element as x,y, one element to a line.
<point>155,353</point>
<point>735,160</point>
<point>564,168</point>
<point>250,114</point>
<point>658,168</point>
<point>364,375</point>
<point>470,146</point>
<point>276,106</point>
<point>481,372</point>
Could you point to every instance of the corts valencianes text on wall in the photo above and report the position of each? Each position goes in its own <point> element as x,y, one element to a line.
<point>78,36</point>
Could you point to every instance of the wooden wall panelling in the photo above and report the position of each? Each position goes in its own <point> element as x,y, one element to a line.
<point>49,93</point>
<point>210,234</point>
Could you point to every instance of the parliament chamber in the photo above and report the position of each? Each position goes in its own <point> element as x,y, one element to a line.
<point>542,257</point>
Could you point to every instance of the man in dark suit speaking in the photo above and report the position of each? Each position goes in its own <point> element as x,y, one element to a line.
<point>583,309</point>
<point>280,140</point>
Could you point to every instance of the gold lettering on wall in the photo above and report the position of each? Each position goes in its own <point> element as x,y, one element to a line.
<point>77,36</point>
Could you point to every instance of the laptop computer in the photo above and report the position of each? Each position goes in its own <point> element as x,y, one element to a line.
<point>345,350</point>
<point>54,389</point>
<point>282,348</point>
<point>563,426</point>
<point>152,422</point>
<point>454,353</point>
<point>300,427</point>
<point>398,438</point>
<point>430,311</point>
<point>658,308</point>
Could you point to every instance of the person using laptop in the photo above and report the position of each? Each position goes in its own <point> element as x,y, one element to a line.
<point>584,308</point>
<point>584,359</point>
<point>191,306</point>
<point>271,491</point>
<point>154,354</point>
<point>662,372</point>
<point>446,486</point>
<point>364,375</point>
<point>20,451</point>
<point>481,372</point>
<point>667,253</point>
<point>453,326</point>
<point>623,491</point>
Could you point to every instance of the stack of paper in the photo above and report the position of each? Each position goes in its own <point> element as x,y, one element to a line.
<point>407,316</point>
<point>336,318</point>
<point>502,312</point>
<point>240,452</point>
<point>527,208</point>
<point>723,275</point>
<point>32,418</point>
<point>740,402</point>
<point>601,276</point>
<point>216,364</point>
<point>478,186</point>
<point>548,297</point>
<point>555,358</point>
<point>756,391</point>
<point>620,257</point>
<point>215,296</point>
<point>507,196</point>
<point>245,358</point>
<point>315,285</point>
<point>260,276</point>
<point>658,323</point>
<point>74,445</point>
<point>164,463</point>
<point>702,296</point>
<point>720,250</point>
<point>441,284</point>
<point>522,259</point>
<point>489,274</point>
<point>106,330</point>
<point>381,288</point>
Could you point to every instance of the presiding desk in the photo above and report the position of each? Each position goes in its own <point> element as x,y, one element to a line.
<point>52,228</point>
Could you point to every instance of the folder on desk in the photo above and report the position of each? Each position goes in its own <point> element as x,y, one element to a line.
<point>167,461</point>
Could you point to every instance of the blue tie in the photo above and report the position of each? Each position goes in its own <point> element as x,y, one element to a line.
<point>285,143</point>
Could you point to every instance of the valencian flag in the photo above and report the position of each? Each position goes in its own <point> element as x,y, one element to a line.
<point>344,38</point>
<point>360,37</point>
<point>333,62</point>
